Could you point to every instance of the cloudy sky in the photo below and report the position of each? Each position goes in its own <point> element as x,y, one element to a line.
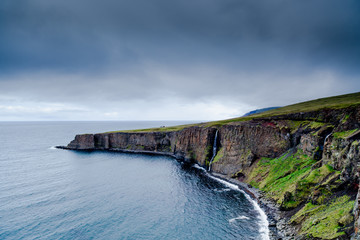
<point>172,60</point>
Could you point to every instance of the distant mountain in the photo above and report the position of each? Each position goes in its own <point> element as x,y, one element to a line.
<point>259,111</point>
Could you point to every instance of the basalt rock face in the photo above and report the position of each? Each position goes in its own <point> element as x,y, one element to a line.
<point>241,144</point>
<point>82,142</point>
<point>193,143</point>
<point>189,144</point>
<point>343,155</point>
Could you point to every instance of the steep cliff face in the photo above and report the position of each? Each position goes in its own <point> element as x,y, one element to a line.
<point>239,145</point>
<point>242,143</point>
<point>308,162</point>
<point>82,142</point>
<point>343,155</point>
<point>317,180</point>
<point>189,144</point>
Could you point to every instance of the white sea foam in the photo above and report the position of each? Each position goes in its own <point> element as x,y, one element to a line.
<point>53,148</point>
<point>222,189</point>
<point>238,218</point>
<point>263,222</point>
<point>199,167</point>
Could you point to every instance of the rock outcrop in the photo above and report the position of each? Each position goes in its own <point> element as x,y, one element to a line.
<point>189,144</point>
<point>238,146</point>
<point>242,143</point>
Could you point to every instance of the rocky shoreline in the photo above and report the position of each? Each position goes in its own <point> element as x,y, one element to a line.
<point>278,226</point>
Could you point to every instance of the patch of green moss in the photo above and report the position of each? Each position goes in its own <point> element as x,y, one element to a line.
<point>318,175</point>
<point>325,221</point>
<point>346,117</point>
<point>280,175</point>
<point>208,150</point>
<point>254,183</point>
<point>344,134</point>
<point>296,179</point>
<point>219,155</point>
<point>192,154</point>
<point>291,180</point>
<point>315,125</point>
<point>290,204</point>
<point>258,173</point>
<point>295,125</point>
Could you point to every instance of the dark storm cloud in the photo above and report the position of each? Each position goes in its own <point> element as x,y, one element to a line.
<point>239,50</point>
<point>84,34</point>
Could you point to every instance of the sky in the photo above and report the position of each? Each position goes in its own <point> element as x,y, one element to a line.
<point>172,60</point>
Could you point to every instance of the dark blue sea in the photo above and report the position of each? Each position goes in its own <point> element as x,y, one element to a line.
<point>48,193</point>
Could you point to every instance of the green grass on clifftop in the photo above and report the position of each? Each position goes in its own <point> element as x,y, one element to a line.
<point>336,102</point>
<point>159,129</point>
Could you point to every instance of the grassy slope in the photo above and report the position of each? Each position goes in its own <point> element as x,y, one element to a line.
<point>325,221</point>
<point>336,102</point>
<point>294,180</point>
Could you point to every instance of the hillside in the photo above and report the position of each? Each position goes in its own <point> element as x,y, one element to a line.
<point>261,110</point>
<point>336,102</point>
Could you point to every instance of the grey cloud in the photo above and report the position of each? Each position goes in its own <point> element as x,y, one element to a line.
<point>96,52</point>
<point>95,34</point>
<point>192,85</point>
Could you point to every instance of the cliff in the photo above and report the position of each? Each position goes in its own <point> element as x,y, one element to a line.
<point>306,161</point>
<point>189,144</point>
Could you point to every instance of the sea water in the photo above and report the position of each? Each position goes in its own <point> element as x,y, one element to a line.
<point>48,193</point>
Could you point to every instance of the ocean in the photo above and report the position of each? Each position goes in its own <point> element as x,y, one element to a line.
<point>49,193</point>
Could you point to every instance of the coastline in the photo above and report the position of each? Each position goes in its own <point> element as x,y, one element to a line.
<point>277,226</point>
